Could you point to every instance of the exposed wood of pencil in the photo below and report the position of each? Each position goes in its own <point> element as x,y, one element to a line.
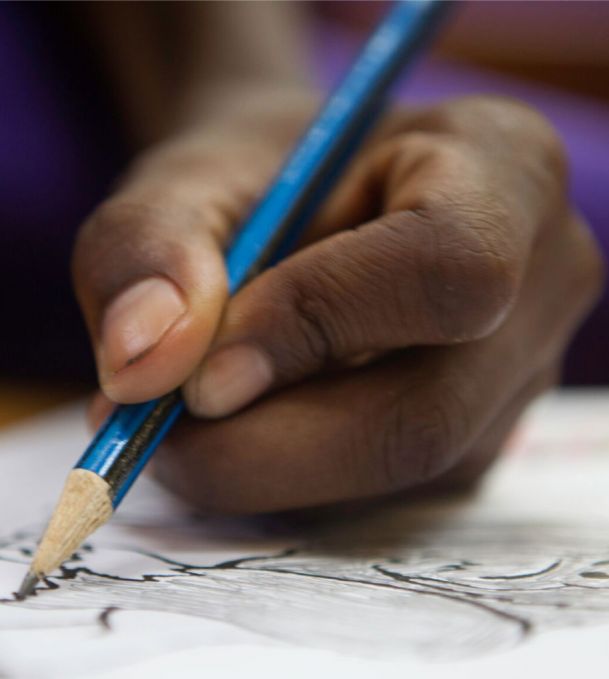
<point>84,506</point>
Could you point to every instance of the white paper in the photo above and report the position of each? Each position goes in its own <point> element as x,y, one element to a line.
<point>514,577</point>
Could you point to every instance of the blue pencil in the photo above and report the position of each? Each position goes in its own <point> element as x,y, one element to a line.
<point>129,437</point>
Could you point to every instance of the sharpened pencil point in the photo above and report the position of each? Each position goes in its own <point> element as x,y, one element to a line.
<point>85,504</point>
<point>28,585</point>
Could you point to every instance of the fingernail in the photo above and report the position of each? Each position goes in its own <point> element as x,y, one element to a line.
<point>231,378</point>
<point>136,321</point>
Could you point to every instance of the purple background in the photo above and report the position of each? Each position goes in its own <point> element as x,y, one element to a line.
<point>61,146</point>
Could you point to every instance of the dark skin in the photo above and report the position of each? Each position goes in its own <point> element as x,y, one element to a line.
<point>429,303</point>
<point>433,300</point>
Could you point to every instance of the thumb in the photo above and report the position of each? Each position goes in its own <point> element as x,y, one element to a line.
<point>148,267</point>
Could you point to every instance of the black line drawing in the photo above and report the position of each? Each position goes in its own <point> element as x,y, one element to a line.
<point>442,591</point>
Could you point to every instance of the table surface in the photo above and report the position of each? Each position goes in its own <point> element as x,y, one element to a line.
<point>19,400</point>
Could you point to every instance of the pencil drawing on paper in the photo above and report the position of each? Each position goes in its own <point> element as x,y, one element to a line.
<point>443,591</point>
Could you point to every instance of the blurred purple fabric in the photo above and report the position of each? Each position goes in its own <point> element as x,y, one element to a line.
<point>60,148</point>
<point>61,145</point>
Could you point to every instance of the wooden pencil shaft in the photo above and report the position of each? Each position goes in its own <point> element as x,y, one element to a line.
<point>85,505</point>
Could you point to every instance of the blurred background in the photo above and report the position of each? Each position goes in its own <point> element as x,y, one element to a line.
<point>66,131</point>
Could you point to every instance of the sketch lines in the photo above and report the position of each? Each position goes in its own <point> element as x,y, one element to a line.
<point>481,588</point>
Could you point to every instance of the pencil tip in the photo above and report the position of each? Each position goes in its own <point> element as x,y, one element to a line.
<point>27,586</point>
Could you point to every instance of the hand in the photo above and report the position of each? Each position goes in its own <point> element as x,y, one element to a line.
<point>432,300</point>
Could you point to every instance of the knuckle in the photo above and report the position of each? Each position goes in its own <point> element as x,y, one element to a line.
<point>419,145</point>
<point>540,149</point>
<point>96,242</point>
<point>112,227</point>
<point>510,115</point>
<point>117,221</point>
<point>470,272</point>
<point>310,296</point>
<point>122,240</point>
<point>299,310</point>
<point>489,118</point>
<point>534,128</point>
<point>421,440</point>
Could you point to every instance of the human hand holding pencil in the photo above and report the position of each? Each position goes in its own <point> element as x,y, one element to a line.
<point>430,301</point>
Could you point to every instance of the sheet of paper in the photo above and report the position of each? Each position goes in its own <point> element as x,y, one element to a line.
<point>511,578</point>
